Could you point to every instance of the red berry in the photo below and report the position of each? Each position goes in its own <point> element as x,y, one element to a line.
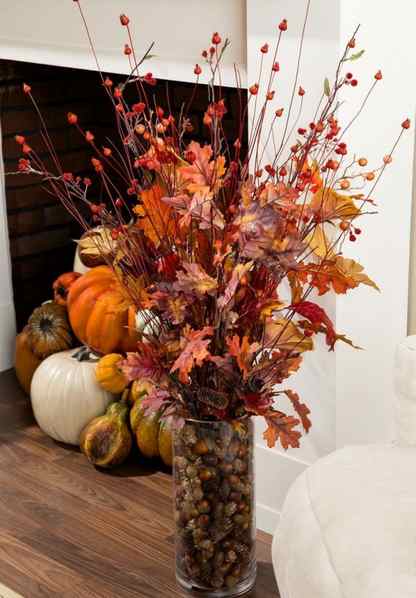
<point>119,202</point>
<point>139,107</point>
<point>216,38</point>
<point>127,50</point>
<point>276,67</point>
<point>283,25</point>
<point>301,91</point>
<point>107,151</point>
<point>20,139</point>
<point>72,118</point>
<point>197,70</point>
<point>349,75</point>
<point>353,238</point>
<point>351,43</point>
<point>26,88</point>
<point>254,89</point>
<point>264,49</point>
<point>279,112</point>
<point>354,82</point>
<point>357,231</point>
<point>89,136</point>
<point>406,123</point>
<point>108,82</point>
<point>124,20</point>
<point>378,76</point>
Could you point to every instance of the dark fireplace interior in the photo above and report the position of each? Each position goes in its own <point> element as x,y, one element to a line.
<point>41,232</point>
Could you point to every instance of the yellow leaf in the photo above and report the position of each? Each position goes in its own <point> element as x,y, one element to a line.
<point>285,335</point>
<point>272,306</point>
<point>318,242</point>
<point>354,271</point>
<point>331,205</point>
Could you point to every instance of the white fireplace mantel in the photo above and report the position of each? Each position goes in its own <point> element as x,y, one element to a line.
<point>351,393</point>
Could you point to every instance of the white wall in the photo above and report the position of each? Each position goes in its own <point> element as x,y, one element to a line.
<point>350,392</point>
<point>7,315</point>
<point>365,393</point>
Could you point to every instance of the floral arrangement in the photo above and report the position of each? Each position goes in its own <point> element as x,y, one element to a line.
<point>222,254</point>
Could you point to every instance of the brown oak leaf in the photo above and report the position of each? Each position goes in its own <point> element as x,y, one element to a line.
<point>301,409</point>
<point>280,428</point>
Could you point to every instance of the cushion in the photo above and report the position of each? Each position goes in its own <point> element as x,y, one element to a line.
<point>348,527</point>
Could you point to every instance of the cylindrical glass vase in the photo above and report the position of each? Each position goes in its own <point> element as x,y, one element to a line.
<point>215,507</point>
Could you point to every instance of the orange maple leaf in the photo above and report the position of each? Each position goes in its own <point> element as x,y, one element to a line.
<point>341,274</point>
<point>243,352</point>
<point>331,205</point>
<point>194,352</point>
<point>155,216</point>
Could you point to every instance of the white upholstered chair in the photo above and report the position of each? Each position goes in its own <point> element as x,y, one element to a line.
<point>348,525</point>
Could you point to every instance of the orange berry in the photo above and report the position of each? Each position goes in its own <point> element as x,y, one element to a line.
<point>387,159</point>
<point>370,176</point>
<point>363,161</point>
<point>344,225</point>
<point>345,184</point>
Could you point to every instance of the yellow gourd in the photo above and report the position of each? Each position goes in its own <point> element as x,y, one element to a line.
<point>109,375</point>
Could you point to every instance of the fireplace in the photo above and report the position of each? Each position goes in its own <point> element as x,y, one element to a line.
<point>41,232</point>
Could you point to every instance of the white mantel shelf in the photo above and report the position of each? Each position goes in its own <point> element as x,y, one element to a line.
<point>51,32</point>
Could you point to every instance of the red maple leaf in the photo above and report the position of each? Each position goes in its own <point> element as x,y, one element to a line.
<point>317,316</point>
<point>143,364</point>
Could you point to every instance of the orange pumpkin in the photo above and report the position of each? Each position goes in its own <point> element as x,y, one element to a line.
<point>26,362</point>
<point>62,285</point>
<point>100,314</point>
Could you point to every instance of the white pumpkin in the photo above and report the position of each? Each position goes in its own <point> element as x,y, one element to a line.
<point>78,265</point>
<point>66,396</point>
<point>147,322</point>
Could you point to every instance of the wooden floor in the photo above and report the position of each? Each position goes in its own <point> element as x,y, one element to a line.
<point>71,531</point>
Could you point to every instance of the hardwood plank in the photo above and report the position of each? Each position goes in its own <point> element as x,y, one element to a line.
<point>32,573</point>
<point>70,530</point>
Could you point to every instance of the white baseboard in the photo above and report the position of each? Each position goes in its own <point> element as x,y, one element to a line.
<point>275,473</point>
<point>266,518</point>
<point>7,336</point>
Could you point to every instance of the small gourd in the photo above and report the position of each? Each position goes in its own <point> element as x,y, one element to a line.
<point>106,440</point>
<point>109,375</point>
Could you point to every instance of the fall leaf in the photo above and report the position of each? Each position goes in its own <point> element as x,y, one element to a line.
<point>195,280</point>
<point>330,205</point>
<point>239,271</point>
<point>301,409</point>
<point>340,273</point>
<point>203,172</point>
<point>319,243</point>
<point>280,427</point>
<point>194,352</point>
<point>155,216</point>
<point>283,334</point>
<point>317,316</point>
<point>243,352</point>
<point>143,364</point>
<point>155,400</point>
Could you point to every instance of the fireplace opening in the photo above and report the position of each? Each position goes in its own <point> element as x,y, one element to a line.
<point>41,232</point>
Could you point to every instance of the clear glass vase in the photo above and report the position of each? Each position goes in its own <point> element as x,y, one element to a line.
<point>215,507</point>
